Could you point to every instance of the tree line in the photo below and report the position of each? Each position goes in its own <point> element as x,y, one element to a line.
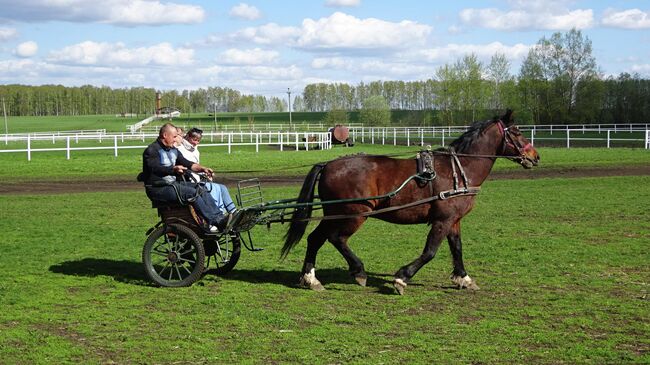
<point>559,82</point>
<point>87,100</point>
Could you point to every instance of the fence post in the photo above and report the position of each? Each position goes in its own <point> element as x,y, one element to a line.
<point>608,138</point>
<point>297,148</point>
<point>372,135</point>
<point>443,136</point>
<point>532,137</point>
<point>257,142</point>
<point>115,145</point>
<point>67,148</point>
<point>306,141</point>
<point>281,142</point>
<point>394,136</point>
<point>29,148</point>
<point>229,142</point>
<point>408,137</point>
<point>567,138</point>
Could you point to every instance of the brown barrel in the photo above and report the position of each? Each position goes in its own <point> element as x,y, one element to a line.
<point>340,133</point>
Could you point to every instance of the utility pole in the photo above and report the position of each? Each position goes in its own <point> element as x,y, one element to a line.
<point>289,93</point>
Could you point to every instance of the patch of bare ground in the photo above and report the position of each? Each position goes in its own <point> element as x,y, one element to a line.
<point>124,184</point>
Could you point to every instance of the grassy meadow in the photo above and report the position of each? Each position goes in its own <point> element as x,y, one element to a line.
<point>562,265</point>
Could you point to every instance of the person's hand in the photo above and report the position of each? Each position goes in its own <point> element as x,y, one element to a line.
<point>179,169</point>
<point>208,172</point>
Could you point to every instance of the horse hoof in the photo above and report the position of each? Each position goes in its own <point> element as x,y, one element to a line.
<point>317,287</point>
<point>464,282</point>
<point>361,280</point>
<point>399,285</point>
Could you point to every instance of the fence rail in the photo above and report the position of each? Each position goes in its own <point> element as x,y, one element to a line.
<point>639,135</point>
<point>568,136</point>
<point>285,141</point>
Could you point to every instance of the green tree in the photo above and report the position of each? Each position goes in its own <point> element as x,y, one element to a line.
<point>375,111</point>
<point>336,116</point>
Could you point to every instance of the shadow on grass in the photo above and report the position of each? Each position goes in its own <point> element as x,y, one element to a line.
<point>124,271</point>
<point>382,282</point>
<point>132,272</point>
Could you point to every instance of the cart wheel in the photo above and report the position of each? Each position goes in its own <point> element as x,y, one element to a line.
<point>222,254</point>
<point>173,256</point>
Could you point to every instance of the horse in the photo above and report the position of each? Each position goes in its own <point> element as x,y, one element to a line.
<point>442,200</point>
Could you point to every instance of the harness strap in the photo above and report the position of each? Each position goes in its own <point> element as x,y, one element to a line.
<point>443,195</point>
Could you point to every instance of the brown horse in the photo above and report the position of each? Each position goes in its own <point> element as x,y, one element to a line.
<point>442,200</point>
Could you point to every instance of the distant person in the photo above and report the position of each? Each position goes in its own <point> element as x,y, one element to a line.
<point>189,148</point>
<point>161,163</point>
<point>178,141</point>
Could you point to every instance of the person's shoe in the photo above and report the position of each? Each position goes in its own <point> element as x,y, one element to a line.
<point>222,222</point>
<point>233,219</point>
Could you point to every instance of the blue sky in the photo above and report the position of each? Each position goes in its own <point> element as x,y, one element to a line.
<point>264,47</point>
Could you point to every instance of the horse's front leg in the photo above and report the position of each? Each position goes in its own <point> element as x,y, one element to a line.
<point>434,238</point>
<point>459,276</point>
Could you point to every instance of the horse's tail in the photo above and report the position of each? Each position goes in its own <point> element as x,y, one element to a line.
<point>299,219</point>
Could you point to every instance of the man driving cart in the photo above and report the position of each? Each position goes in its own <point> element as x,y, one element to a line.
<point>162,163</point>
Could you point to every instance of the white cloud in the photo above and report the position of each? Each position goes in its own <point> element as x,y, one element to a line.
<point>256,56</point>
<point>7,33</point>
<point>368,69</point>
<point>268,34</point>
<point>527,19</point>
<point>342,3</point>
<point>117,54</point>
<point>643,69</point>
<point>628,19</point>
<point>342,31</point>
<point>452,52</point>
<point>119,12</point>
<point>27,49</point>
<point>245,11</point>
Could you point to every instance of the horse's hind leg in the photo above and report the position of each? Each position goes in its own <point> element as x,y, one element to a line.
<point>338,233</point>
<point>340,241</point>
<point>459,276</point>
<point>315,241</point>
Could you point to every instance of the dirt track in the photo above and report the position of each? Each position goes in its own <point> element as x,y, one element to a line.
<point>77,186</point>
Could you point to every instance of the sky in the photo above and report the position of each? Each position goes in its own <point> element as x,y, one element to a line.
<point>266,47</point>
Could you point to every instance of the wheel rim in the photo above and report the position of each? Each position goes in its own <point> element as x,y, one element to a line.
<point>174,258</point>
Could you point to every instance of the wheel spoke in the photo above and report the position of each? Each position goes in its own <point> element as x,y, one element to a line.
<point>180,277</point>
<point>163,269</point>
<point>163,254</point>
<point>186,269</point>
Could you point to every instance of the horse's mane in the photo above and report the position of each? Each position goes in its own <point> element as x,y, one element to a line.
<point>465,141</point>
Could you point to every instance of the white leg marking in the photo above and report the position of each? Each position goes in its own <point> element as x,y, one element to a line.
<point>399,285</point>
<point>309,280</point>
<point>464,282</point>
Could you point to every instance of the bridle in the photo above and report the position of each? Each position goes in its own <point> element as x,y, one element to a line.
<point>510,141</point>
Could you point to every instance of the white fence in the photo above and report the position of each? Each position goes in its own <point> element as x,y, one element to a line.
<point>564,136</point>
<point>256,127</point>
<point>285,141</point>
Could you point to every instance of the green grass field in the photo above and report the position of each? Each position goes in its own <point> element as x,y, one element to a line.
<point>562,265</point>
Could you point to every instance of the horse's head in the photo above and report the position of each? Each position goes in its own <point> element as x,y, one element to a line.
<point>516,147</point>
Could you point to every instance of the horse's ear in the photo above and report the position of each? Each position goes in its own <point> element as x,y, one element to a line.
<point>507,118</point>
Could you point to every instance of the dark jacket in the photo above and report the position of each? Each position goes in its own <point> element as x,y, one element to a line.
<point>158,163</point>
